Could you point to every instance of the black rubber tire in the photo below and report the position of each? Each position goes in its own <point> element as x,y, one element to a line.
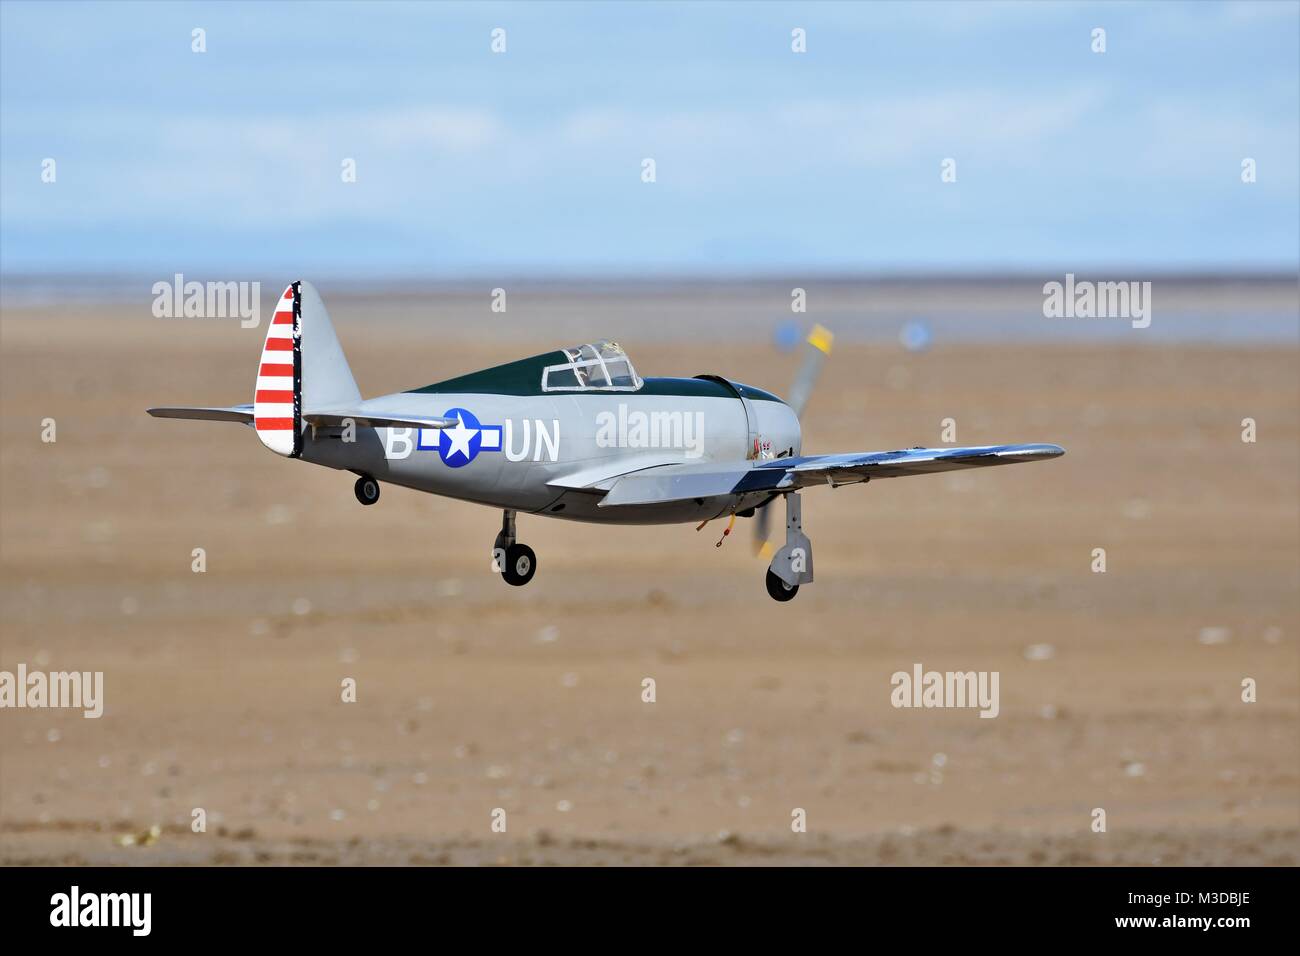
<point>367,490</point>
<point>521,565</point>
<point>778,589</point>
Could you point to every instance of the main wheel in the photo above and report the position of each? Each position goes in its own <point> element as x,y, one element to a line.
<point>367,490</point>
<point>778,589</point>
<point>521,565</point>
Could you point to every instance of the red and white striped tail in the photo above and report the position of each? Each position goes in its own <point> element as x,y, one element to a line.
<point>277,401</point>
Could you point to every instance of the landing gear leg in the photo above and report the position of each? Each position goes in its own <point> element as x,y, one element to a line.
<point>515,562</point>
<point>792,565</point>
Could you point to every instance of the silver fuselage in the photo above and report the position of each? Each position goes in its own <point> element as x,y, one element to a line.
<point>550,454</point>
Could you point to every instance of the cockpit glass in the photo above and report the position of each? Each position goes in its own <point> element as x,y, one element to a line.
<point>620,373</point>
<point>562,378</point>
<point>600,365</point>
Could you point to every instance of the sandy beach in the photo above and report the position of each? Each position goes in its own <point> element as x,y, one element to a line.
<point>1120,691</point>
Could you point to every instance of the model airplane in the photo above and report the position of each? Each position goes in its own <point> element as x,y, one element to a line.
<point>573,433</point>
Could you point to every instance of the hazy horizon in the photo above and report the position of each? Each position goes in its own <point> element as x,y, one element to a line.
<point>231,162</point>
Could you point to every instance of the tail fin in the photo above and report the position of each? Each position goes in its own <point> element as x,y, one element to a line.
<point>302,369</point>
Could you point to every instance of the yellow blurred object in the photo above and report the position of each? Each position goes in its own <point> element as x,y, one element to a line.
<point>821,338</point>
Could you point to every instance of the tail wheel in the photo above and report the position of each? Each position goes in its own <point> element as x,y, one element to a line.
<point>778,589</point>
<point>521,565</point>
<point>367,490</point>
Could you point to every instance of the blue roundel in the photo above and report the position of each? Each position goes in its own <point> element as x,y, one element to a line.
<point>460,444</point>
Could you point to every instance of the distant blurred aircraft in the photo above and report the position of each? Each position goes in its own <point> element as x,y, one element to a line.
<point>574,433</point>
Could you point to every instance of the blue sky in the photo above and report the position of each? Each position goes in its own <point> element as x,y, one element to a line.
<point>529,162</point>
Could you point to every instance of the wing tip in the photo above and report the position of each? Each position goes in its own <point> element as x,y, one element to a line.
<point>1042,452</point>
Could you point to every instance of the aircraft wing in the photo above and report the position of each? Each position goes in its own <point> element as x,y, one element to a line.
<point>712,479</point>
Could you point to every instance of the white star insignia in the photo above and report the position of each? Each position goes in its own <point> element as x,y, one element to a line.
<point>460,437</point>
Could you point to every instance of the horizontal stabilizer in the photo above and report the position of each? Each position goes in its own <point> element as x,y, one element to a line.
<point>336,418</point>
<point>339,418</point>
<point>235,413</point>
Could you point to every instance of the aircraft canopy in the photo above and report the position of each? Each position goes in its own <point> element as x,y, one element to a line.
<point>600,366</point>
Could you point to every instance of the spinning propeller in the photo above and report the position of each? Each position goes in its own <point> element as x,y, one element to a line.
<point>816,347</point>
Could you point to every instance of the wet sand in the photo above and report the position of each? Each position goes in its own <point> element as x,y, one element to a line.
<point>1119,691</point>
